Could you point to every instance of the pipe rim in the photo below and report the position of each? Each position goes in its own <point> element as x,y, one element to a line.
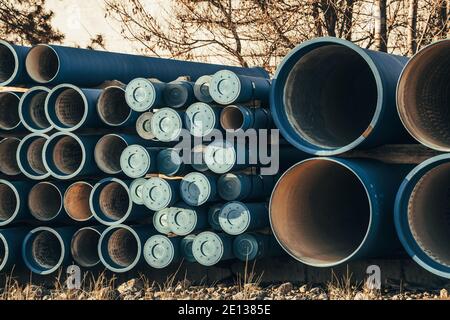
<point>97,159</point>
<point>369,222</point>
<point>148,102</point>
<point>75,256</point>
<point>402,226</point>
<point>65,197</point>
<point>28,63</point>
<point>15,169</point>
<point>45,150</point>
<point>167,193</point>
<point>208,119</point>
<point>154,261</point>
<point>23,99</point>
<point>4,259</point>
<point>18,202</point>
<point>53,95</point>
<point>161,220</point>
<point>280,118</point>
<point>28,258</point>
<point>199,91</point>
<point>61,202</point>
<point>103,259</point>
<point>23,147</point>
<point>101,115</point>
<point>11,49</point>
<point>17,96</point>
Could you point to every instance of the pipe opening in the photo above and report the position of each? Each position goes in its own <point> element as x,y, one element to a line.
<point>46,249</point>
<point>84,247</point>
<point>112,106</point>
<point>9,202</point>
<point>44,201</point>
<point>330,96</point>
<point>114,201</point>
<point>107,153</point>
<point>231,118</point>
<point>67,155</point>
<point>423,96</point>
<point>320,212</point>
<point>3,248</point>
<point>76,201</point>
<point>42,63</point>
<point>7,63</point>
<point>8,159</point>
<point>34,155</point>
<point>9,111</point>
<point>429,213</point>
<point>70,107</point>
<point>37,110</point>
<point>122,247</point>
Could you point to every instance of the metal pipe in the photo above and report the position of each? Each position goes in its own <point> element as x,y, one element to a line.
<point>67,155</point>
<point>137,161</point>
<point>236,217</point>
<point>76,201</point>
<point>167,124</point>
<point>13,204</point>
<point>160,193</point>
<point>10,246</point>
<point>53,64</point>
<point>330,96</point>
<point>29,156</point>
<point>169,162</point>
<point>210,248</point>
<point>421,214</point>
<point>113,109</point>
<point>201,119</point>
<point>136,189</point>
<point>235,117</point>
<point>213,216</point>
<point>161,220</point>
<point>186,247</point>
<point>46,249</point>
<point>201,89</point>
<point>9,111</point>
<point>346,210</point>
<point>198,188</point>
<point>161,251</point>
<point>144,94</point>
<point>68,107</point>
<point>227,87</point>
<point>221,156</point>
<point>144,126</point>
<point>183,219</point>
<point>111,203</point>
<point>423,96</point>
<point>46,202</point>
<point>12,64</point>
<point>8,160</point>
<point>120,246</point>
<point>84,246</point>
<point>32,110</point>
<point>239,186</point>
<point>198,158</point>
<point>251,246</point>
<point>179,94</point>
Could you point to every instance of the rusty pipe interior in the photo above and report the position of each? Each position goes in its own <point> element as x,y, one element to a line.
<point>7,63</point>
<point>9,202</point>
<point>46,249</point>
<point>69,107</point>
<point>67,154</point>
<point>34,155</point>
<point>122,247</point>
<point>37,110</point>
<point>114,200</point>
<point>231,118</point>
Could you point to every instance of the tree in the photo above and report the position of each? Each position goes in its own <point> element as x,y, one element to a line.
<point>381,38</point>
<point>412,27</point>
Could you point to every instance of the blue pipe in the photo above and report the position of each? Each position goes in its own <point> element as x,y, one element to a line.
<point>209,248</point>
<point>236,217</point>
<point>421,214</point>
<point>239,186</point>
<point>137,161</point>
<point>330,96</point>
<point>13,202</point>
<point>13,64</point>
<point>9,111</point>
<point>179,94</point>
<point>91,68</point>
<point>144,94</point>
<point>186,247</point>
<point>160,251</point>
<point>346,210</point>
<point>113,110</point>
<point>213,216</point>
<point>170,163</point>
<point>84,246</point>
<point>160,193</point>
<point>198,188</point>
<point>32,110</point>
<point>29,156</point>
<point>236,117</point>
<point>10,246</point>
<point>184,219</point>
<point>201,119</point>
<point>8,161</point>
<point>251,246</point>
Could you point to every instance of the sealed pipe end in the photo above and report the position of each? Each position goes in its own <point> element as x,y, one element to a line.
<point>136,191</point>
<point>42,63</point>
<point>112,106</point>
<point>45,201</point>
<point>201,119</point>
<point>159,251</point>
<point>84,247</point>
<point>234,218</point>
<point>169,162</point>
<point>166,124</point>
<point>29,156</point>
<point>119,248</point>
<point>43,250</point>
<point>144,126</point>
<point>320,212</point>
<point>201,89</point>
<point>76,201</point>
<point>161,221</point>
<point>182,219</point>
<point>186,247</point>
<point>213,216</point>
<point>157,193</point>
<point>140,94</point>
<point>231,186</point>
<point>32,110</point>
<point>225,87</point>
<point>9,110</point>
<point>246,247</point>
<point>207,248</point>
<point>8,156</point>
<point>176,94</point>
<point>423,96</point>
<point>135,161</point>
<point>9,63</point>
<point>9,202</point>
<point>198,158</point>
<point>220,156</point>
<point>195,189</point>
<point>107,153</point>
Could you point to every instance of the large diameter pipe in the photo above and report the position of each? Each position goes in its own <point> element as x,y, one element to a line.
<point>239,186</point>
<point>12,64</point>
<point>84,246</point>
<point>160,193</point>
<point>201,119</point>
<point>236,217</point>
<point>32,110</point>
<point>53,64</point>
<point>327,211</point>
<point>209,248</point>
<point>421,215</point>
<point>29,156</point>
<point>330,96</point>
<point>13,201</point>
<point>76,201</point>
<point>46,202</point>
<point>8,161</point>
<point>110,202</point>
<point>68,107</point>
<point>46,249</point>
<point>236,117</point>
<point>113,109</point>
<point>198,188</point>
<point>67,155</point>
<point>423,96</point>
<point>10,247</point>
<point>160,251</point>
<point>183,219</point>
<point>9,111</point>
<point>120,246</point>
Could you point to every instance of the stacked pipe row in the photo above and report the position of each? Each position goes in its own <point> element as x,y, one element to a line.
<point>89,170</point>
<point>330,96</point>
